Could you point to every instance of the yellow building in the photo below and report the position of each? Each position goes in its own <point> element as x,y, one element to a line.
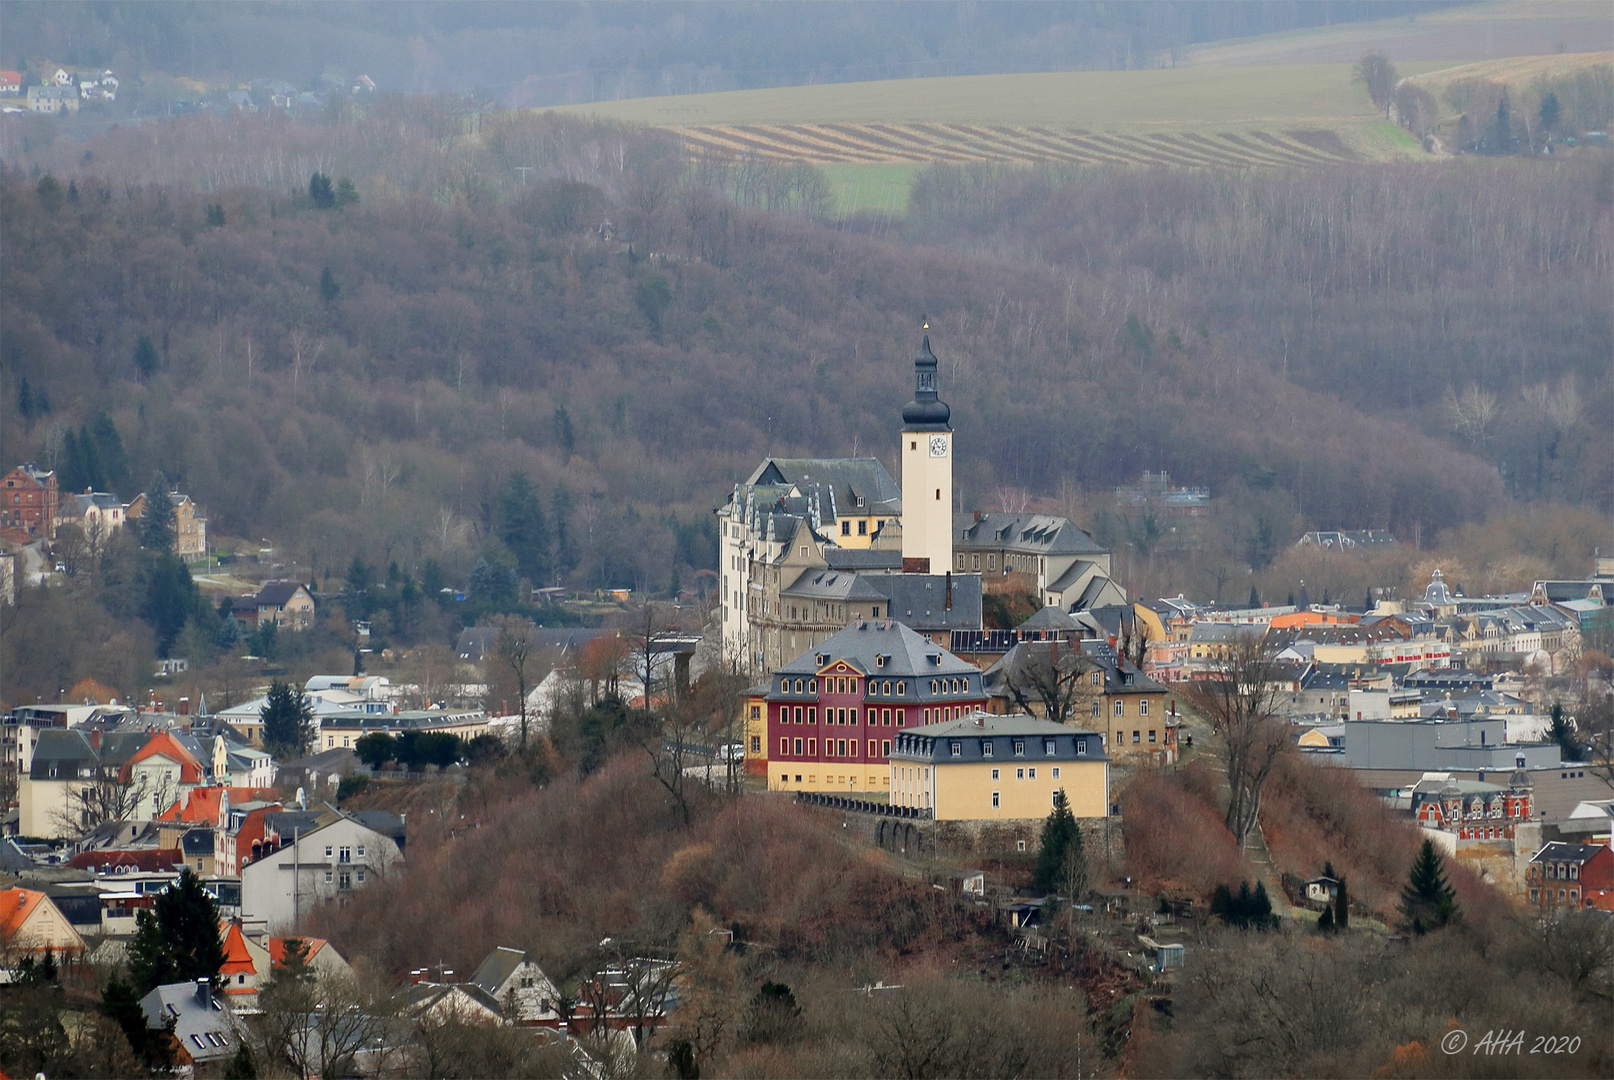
<point>983,767</point>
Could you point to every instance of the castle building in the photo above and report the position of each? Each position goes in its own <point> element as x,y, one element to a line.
<point>832,713</point>
<point>807,545</point>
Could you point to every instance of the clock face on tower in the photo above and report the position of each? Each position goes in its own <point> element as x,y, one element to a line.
<point>938,446</point>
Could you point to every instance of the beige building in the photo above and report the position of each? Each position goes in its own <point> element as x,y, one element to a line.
<point>31,923</point>
<point>999,768</point>
<point>190,526</point>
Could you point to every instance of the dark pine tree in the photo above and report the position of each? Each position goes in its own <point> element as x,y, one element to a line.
<point>523,529</point>
<point>146,360</point>
<point>178,939</point>
<point>1059,858</point>
<point>158,528</point>
<point>1427,901</point>
<point>288,722</point>
<point>1342,907</point>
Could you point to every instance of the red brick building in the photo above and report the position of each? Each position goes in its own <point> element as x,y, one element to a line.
<point>1572,876</point>
<point>833,712</point>
<point>30,504</point>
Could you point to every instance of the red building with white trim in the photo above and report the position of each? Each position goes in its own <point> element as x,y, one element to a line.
<point>833,712</point>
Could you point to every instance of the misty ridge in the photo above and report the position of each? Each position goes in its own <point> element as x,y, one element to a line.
<point>565,53</point>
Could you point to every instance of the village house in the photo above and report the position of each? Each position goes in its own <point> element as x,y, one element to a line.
<point>28,504</point>
<point>514,980</point>
<point>985,767</point>
<point>288,604</point>
<point>1572,876</point>
<point>323,864</point>
<point>31,923</point>
<point>1471,809</point>
<point>190,526</point>
<point>199,1026</point>
<point>53,99</point>
<point>10,83</point>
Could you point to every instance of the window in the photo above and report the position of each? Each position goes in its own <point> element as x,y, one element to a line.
<point>1098,678</point>
<point>798,746</point>
<point>1055,799</point>
<point>344,855</point>
<point>995,773</point>
<point>328,851</point>
<point>812,747</point>
<point>957,749</point>
<point>1031,773</point>
<point>1151,734</point>
<point>863,528</point>
<point>361,851</point>
<point>197,1039</point>
<point>1143,706</point>
<point>361,877</point>
<point>885,747</point>
<point>995,802</point>
<point>1019,748</point>
<point>1056,772</point>
<point>1048,747</point>
<point>961,560</point>
<point>784,747</point>
<point>846,528</point>
<point>1120,707</point>
<point>812,686</point>
<point>1019,774</point>
<point>840,747</point>
<point>812,714</point>
<point>756,744</point>
<point>1095,710</point>
<point>798,714</point>
<point>1136,737</point>
<point>902,689</point>
<point>874,750</point>
<point>885,717</point>
<point>756,712</point>
<point>344,880</point>
<point>854,716</point>
<point>328,877</point>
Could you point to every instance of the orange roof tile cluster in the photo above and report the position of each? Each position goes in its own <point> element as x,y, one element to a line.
<point>237,960</point>
<point>16,905</point>
<point>163,744</point>
<point>277,949</point>
<point>203,806</point>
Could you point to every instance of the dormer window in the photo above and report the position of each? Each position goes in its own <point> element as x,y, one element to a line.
<point>1019,748</point>
<point>986,747</point>
<point>812,686</point>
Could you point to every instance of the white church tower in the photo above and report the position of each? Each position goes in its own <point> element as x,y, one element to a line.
<point>927,473</point>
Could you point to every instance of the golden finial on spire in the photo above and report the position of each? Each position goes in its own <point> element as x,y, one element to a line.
<point>925,319</point>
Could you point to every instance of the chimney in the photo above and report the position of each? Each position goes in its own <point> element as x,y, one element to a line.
<point>95,739</point>
<point>184,706</point>
<point>204,991</point>
<point>977,515</point>
<point>949,604</point>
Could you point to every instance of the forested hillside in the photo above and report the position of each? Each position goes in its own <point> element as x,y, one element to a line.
<point>1403,347</point>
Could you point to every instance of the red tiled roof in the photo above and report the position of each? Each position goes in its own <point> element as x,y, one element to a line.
<point>203,806</point>
<point>237,960</point>
<point>277,949</point>
<point>162,743</point>
<point>147,859</point>
<point>13,914</point>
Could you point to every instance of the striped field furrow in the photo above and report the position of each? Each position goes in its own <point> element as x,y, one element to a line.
<point>963,143</point>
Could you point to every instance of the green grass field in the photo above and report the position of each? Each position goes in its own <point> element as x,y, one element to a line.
<point>1264,95</point>
<point>871,189</point>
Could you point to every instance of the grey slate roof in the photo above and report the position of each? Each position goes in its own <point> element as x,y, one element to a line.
<point>933,742</point>
<point>920,600</point>
<point>1558,851</point>
<point>278,592</point>
<point>206,1029</point>
<point>864,559</point>
<point>500,964</point>
<point>832,585</point>
<point>907,653</point>
<point>1051,617</point>
<point>1031,534</point>
<point>845,480</point>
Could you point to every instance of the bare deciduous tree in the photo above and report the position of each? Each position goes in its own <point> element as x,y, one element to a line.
<point>1239,700</point>
<point>1051,677</point>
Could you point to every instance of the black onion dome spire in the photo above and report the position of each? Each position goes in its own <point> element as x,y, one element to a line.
<point>926,410</point>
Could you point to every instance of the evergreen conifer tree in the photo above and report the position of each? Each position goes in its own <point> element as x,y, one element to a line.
<point>178,940</point>
<point>288,722</point>
<point>1427,901</point>
<point>1061,861</point>
<point>1342,908</point>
